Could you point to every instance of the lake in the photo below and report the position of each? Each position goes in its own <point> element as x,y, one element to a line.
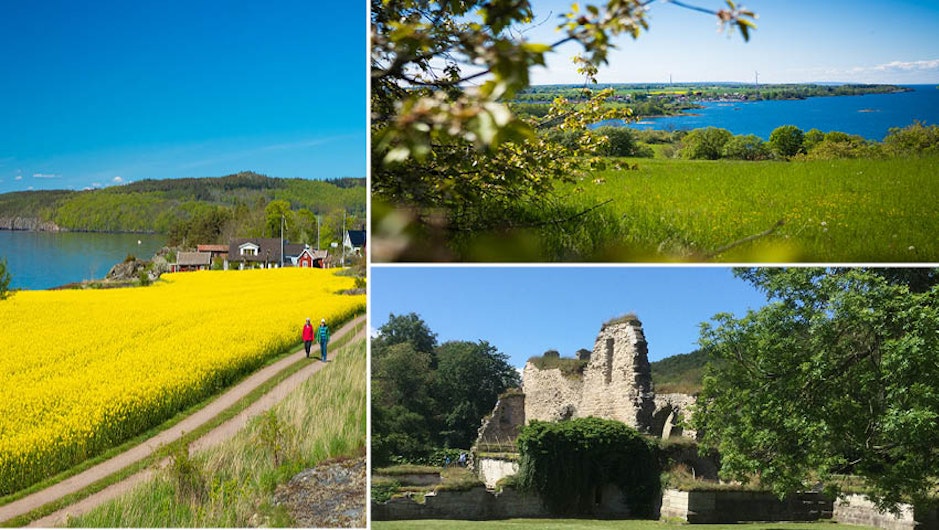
<point>870,116</point>
<point>41,260</point>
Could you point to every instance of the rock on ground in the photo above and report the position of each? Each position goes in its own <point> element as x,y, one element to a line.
<point>331,495</point>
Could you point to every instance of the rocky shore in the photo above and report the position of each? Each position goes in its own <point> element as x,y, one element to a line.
<point>32,224</point>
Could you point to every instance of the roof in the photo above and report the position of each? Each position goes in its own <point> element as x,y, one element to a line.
<point>193,259</point>
<point>212,248</point>
<point>268,249</point>
<point>357,238</point>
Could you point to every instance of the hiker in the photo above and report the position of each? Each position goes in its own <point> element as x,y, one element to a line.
<point>307,337</point>
<point>462,459</point>
<point>322,336</point>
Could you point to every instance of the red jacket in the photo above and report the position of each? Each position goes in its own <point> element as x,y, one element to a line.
<point>308,331</point>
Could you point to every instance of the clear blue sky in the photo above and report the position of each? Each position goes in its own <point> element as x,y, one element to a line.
<point>524,311</point>
<point>877,41</point>
<point>110,91</point>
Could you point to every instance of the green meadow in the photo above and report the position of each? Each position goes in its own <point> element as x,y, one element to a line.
<point>847,210</point>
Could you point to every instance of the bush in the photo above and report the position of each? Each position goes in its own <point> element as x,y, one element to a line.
<point>915,139</point>
<point>5,280</point>
<point>707,143</point>
<point>621,142</point>
<point>567,463</point>
<point>786,141</point>
<point>746,147</point>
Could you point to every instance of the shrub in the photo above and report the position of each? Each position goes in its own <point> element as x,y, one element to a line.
<point>786,141</point>
<point>915,139</point>
<point>5,280</point>
<point>746,147</point>
<point>567,463</point>
<point>622,141</point>
<point>707,143</point>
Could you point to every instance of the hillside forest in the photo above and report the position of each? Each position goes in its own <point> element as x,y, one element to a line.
<point>203,210</point>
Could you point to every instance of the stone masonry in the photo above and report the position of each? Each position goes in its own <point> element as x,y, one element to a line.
<point>617,382</point>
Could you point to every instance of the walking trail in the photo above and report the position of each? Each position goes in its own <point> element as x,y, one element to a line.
<point>219,434</point>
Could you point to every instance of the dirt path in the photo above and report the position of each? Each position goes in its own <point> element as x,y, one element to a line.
<point>145,449</point>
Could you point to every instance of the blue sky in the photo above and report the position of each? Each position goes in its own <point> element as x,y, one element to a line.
<point>107,92</point>
<point>524,311</point>
<point>876,41</point>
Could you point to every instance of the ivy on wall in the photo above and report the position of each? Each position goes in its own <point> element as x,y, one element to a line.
<point>568,462</point>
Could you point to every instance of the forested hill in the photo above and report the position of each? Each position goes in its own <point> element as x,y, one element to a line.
<point>162,206</point>
<point>679,373</point>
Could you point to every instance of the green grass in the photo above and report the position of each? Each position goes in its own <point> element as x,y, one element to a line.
<point>592,524</point>
<point>324,419</point>
<point>831,210</point>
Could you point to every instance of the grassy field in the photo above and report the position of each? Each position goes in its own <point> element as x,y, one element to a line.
<point>591,524</point>
<point>823,211</point>
<point>226,485</point>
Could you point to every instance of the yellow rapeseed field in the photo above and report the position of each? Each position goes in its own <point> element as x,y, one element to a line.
<point>82,371</point>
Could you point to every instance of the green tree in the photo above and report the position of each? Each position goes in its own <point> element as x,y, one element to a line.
<point>458,161</point>
<point>746,147</point>
<point>786,141</point>
<point>469,379</point>
<point>915,139</point>
<point>277,212</point>
<point>5,279</point>
<point>409,328</point>
<point>707,143</point>
<point>621,141</point>
<point>836,374</point>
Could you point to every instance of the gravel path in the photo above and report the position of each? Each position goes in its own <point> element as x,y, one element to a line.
<point>145,449</point>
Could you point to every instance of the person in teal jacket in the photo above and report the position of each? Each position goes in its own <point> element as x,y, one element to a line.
<point>322,336</point>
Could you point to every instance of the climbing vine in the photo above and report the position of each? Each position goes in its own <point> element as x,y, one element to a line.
<point>568,462</point>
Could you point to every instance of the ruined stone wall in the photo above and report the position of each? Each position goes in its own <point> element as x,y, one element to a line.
<point>670,411</point>
<point>500,429</point>
<point>617,382</point>
<point>549,396</point>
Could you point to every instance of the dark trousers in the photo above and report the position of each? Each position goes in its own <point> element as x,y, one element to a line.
<point>307,344</point>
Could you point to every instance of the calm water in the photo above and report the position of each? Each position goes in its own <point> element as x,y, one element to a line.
<point>40,260</point>
<point>870,116</point>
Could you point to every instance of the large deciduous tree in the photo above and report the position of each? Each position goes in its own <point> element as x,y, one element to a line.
<point>447,154</point>
<point>426,396</point>
<point>838,373</point>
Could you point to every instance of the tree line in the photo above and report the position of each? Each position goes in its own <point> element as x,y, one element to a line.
<point>427,396</point>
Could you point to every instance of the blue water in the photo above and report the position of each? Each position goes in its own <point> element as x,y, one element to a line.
<point>870,116</point>
<point>41,260</point>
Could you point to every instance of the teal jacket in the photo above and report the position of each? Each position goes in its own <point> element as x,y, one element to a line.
<point>322,333</point>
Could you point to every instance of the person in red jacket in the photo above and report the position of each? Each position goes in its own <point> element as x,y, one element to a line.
<point>307,337</point>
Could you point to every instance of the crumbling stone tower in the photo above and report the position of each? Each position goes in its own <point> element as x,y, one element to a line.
<point>618,380</point>
<point>616,384</point>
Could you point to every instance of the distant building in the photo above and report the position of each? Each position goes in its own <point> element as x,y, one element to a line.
<point>354,241</point>
<point>311,258</point>
<point>246,253</point>
<point>192,261</point>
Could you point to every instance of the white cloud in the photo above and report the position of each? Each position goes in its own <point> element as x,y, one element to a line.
<point>18,177</point>
<point>932,64</point>
<point>117,180</point>
<point>45,176</point>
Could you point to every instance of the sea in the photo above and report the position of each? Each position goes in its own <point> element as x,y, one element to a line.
<point>870,116</point>
<point>44,260</point>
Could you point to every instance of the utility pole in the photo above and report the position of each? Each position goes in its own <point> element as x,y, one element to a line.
<point>283,221</point>
<point>343,237</point>
<point>317,232</point>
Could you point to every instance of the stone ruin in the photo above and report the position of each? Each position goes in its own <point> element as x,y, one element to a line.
<point>616,384</point>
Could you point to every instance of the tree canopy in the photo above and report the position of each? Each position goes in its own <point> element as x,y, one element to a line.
<point>427,396</point>
<point>5,279</point>
<point>837,374</point>
<point>447,152</point>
